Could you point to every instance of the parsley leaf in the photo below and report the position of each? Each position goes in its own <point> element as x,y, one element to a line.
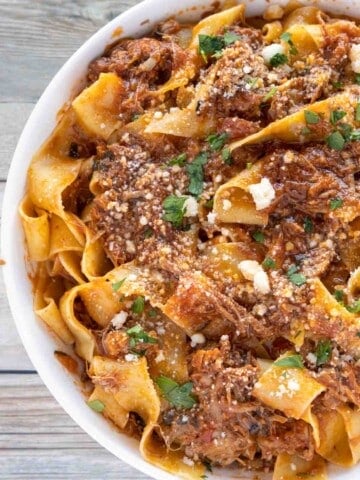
<point>323,352</point>
<point>286,37</point>
<point>336,115</point>
<point>357,78</point>
<point>308,225</point>
<point>354,135</point>
<point>296,278</point>
<point>292,361</point>
<point>270,94</point>
<point>357,112</point>
<point>195,173</point>
<point>149,232</point>
<point>339,295</point>
<point>278,59</point>
<point>209,203</point>
<point>230,38</point>
<point>117,285</point>
<point>177,395</point>
<point>217,141</point>
<point>335,203</point>
<point>354,308</point>
<point>174,208</point>
<point>336,141</point>
<point>138,335</point>
<point>269,263</point>
<point>226,156</point>
<point>96,405</point>
<point>210,44</point>
<point>138,305</point>
<point>311,118</point>
<point>179,160</point>
<point>258,237</point>
<point>152,313</point>
<point>338,85</point>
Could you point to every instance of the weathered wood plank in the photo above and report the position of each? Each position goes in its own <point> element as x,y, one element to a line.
<point>13,117</point>
<point>39,441</point>
<point>36,38</point>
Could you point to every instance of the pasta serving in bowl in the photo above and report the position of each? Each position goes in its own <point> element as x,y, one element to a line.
<point>192,230</point>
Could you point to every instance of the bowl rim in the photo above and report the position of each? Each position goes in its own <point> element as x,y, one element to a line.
<point>11,244</point>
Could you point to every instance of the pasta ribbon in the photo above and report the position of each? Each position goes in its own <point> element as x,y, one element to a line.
<point>291,467</point>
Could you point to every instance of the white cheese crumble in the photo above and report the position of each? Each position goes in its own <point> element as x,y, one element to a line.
<point>160,357</point>
<point>211,218</point>
<point>355,58</point>
<point>143,220</point>
<point>226,204</point>
<point>253,271</point>
<point>271,50</point>
<point>191,207</point>
<point>197,339</point>
<point>130,357</point>
<point>311,358</point>
<point>119,319</point>
<point>130,246</point>
<point>158,115</point>
<point>263,193</point>
<point>188,461</point>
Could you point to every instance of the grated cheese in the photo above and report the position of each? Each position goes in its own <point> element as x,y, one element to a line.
<point>263,193</point>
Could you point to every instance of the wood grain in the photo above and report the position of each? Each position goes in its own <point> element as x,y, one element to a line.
<point>37,439</point>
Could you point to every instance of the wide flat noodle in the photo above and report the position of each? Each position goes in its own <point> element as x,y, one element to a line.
<point>36,227</point>
<point>292,467</point>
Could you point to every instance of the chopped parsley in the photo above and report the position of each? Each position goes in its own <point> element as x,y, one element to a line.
<point>354,135</point>
<point>152,313</point>
<point>209,203</point>
<point>357,112</point>
<point>295,277</point>
<point>354,308</point>
<point>311,118</point>
<point>138,335</point>
<point>174,208</point>
<point>336,115</point>
<point>305,131</point>
<point>336,141</point>
<point>213,45</point>
<point>217,141</point>
<point>335,203</point>
<point>357,78</point>
<point>138,305</point>
<point>286,37</point>
<point>179,160</point>
<point>177,395</point>
<point>195,171</point>
<point>308,225</point>
<point>269,263</point>
<point>270,94</point>
<point>149,232</point>
<point>338,85</point>
<point>96,405</point>
<point>258,237</point>
<point>292,361</point>
<point>323,352</point>
<point>278,59</point>
<point>226,156</point>
<point>117,285</point>
<point>339,295</point>
<point>346,131</point>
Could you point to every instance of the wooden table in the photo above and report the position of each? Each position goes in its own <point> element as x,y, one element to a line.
<point>37,439</point>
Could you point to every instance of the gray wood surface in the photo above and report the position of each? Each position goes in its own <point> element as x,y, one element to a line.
<point>37,439</point>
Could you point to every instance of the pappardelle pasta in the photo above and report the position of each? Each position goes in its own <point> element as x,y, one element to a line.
<point>194,223</point>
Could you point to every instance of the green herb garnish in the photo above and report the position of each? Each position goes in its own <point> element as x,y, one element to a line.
<point>336,141</point>
<point>339,295</point>
<point>138,335</point>
<point>209,203</point>
<point>217,141</point>
<point>336,115</point>
<point>311,118</point>
<point>117,285</point>
<point>295,277</point>
<point>357,112</point>
<point>96,405</point>
<point>174,208</point>
<point>323,352</point>
<point>152,313</point>
<point>292,361</point>
<point>357,78</point>
<point>308,225</point>
<point>177,395</point>
<point>286,37</point>
<point>335,203</point>
<point>270,94</point>
<point>179,160</point>
<point>138,305</point>
<point>209,45</point>
<point>258,237</point>
<point>354,308</point>
<point>338,85</point>
<point>226,156</point>
<point>195,171</point>
<point>149,232</point>
<point>230,38</point>
<point>278,59</point>
<point>269,263</point>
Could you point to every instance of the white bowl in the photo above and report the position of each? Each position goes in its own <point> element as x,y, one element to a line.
<point>39,344</point>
